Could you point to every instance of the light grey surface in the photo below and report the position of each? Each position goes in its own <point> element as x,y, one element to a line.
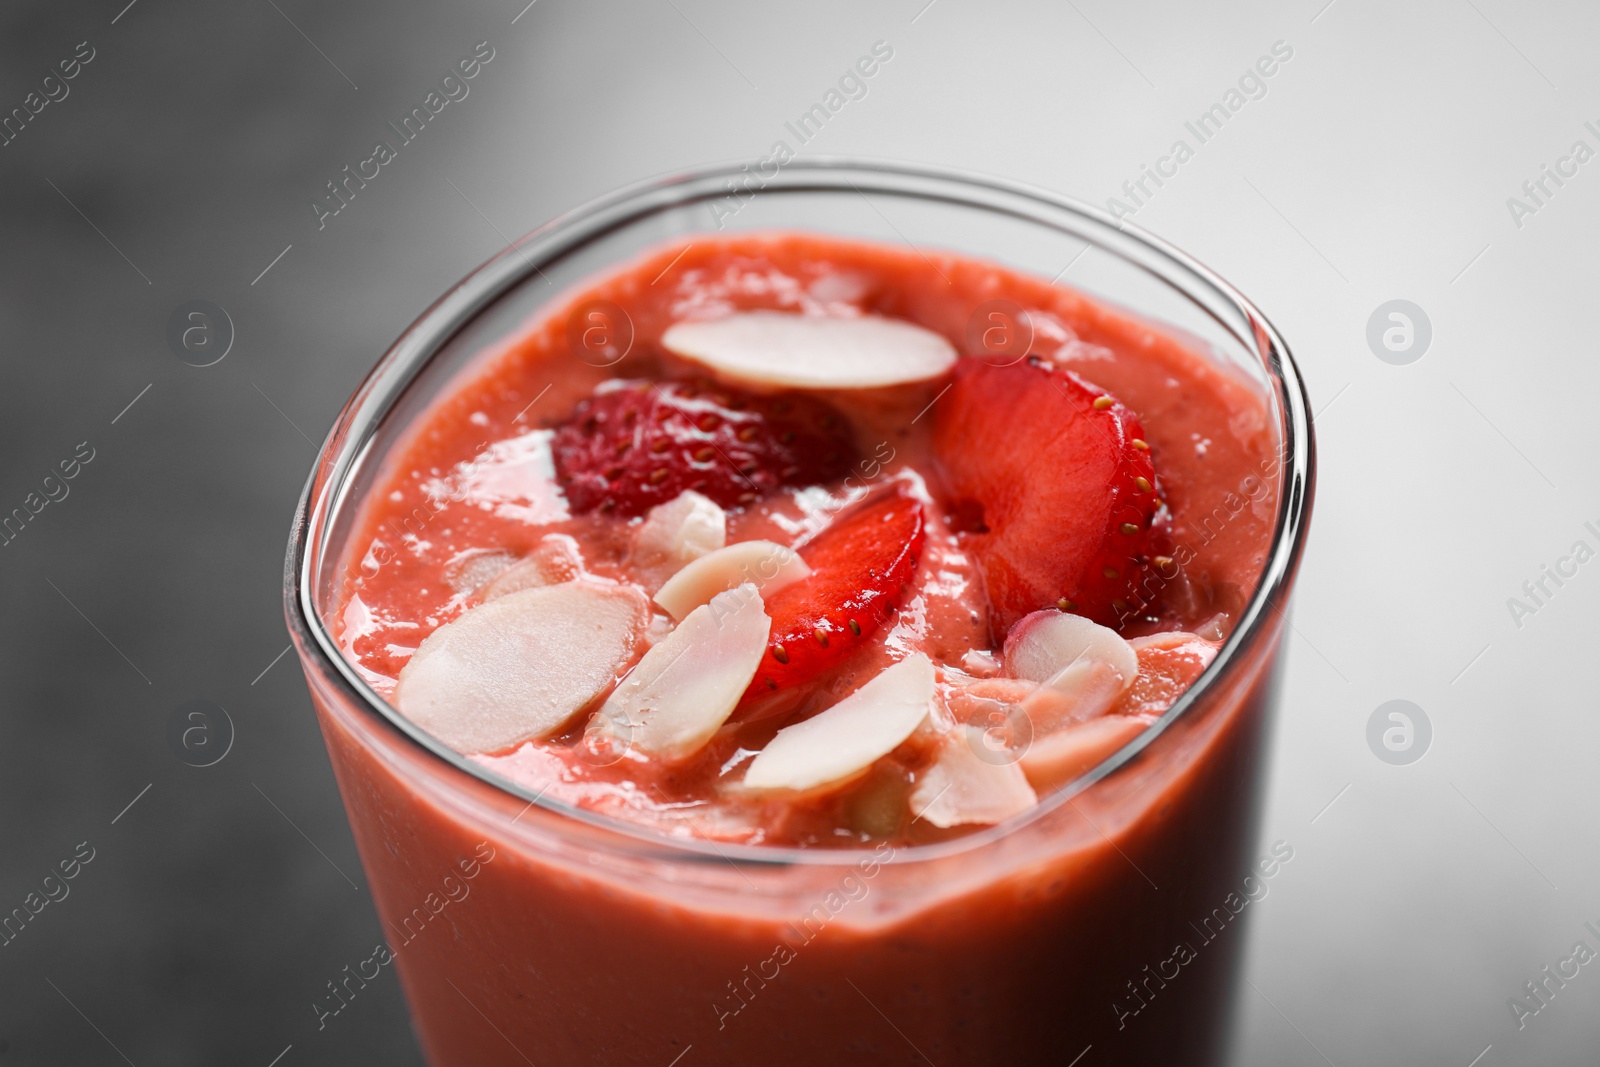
<point>1376,167</point>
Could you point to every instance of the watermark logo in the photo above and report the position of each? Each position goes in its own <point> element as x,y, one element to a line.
<point>452,89</point>
<point>1000,333</point>
<point>200,733</point>
<point>852,887</point>
<point>1542,988</point>
<point>1251,85</point>
<point>53,489</point>
<point>607,741</point>
<point>51,89</point>
<point>51,889</point>
<point>351,980</point>
<point>1538,191</point>
<point>599,332</point>
<point>753,177</point>
<point>1399,332</point>
<point>1147,985</point>
<point>200,333</point>
<point>1399,732</point>
<point>1541,589</point>
<point>1004,735</point>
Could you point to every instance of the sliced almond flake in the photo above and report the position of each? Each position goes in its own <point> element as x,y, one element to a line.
<point>683,689</point>
<point>767,565</point>
<point>971,783</point>
<point>1172,640</point>
<point>475,568</point>
<point>685,528</point>
<point>1057,758</point>
<point>554,560</point>
<point>1169,663</point>
<point>980,663</point>
<point>1087,664</point>
<point>776,348</point>
<point>844,740</point>
<point>521,666</point>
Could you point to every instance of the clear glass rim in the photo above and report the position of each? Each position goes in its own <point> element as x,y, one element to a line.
<point>357,425</point>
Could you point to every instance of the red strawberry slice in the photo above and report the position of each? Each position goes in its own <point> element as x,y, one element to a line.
<point>1052,480</point>
<point>859,569</point>
<point>635,444</point>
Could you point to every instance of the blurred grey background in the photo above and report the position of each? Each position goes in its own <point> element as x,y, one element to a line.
<point>1375,164</point>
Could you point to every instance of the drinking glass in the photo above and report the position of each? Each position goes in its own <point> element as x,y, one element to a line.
<point>524,930</point>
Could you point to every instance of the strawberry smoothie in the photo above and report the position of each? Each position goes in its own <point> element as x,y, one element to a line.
<point>795,610</point>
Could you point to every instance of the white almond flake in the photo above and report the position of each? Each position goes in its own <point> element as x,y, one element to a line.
<point>687,685</point>
<point>1172,640</point>
<point>660,626</point>
<point>980,663</point>
<point>475,568</point>
<point>767,565</point>
<point>1085,661</point>
<point>683,529</point>
<point>521,666</point>
<point>776,348</point>
<point>554,560</point>
<point>847,738</point>
<point>963,787</point>
<point>1057,758</point>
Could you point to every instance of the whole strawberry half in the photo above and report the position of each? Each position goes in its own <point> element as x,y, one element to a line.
<point>635,444</point>
<point>1052,481</point>
<point>859,569</point>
